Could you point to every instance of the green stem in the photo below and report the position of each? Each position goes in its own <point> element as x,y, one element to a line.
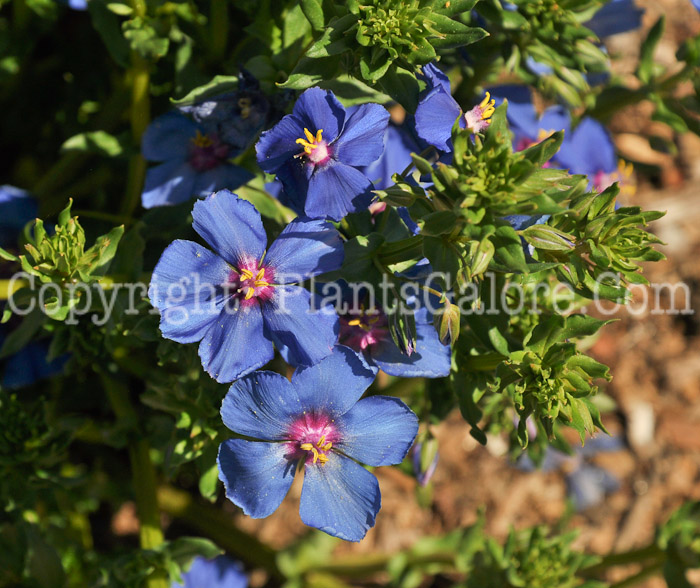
<point>218,27</point>
<point>645,573</point>
<point>139,75</point>
<point>143,475</point>
<point>210,521</point>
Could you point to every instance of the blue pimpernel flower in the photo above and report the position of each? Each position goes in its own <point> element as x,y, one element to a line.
<point>437,112</point>
<point>696,3</point>
<point>590,150</point>
<point>220,572</point>
<point>195,161</point>
<point>617,16</point>
<point>236,117</point>
<point>316,152</point>
<point>240,299</point>
<point>315,421</point>
<point>367,333</point>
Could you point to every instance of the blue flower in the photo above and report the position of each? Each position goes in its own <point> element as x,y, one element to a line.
<point>17,208</point>
<point>589,150</point>
<point>316,152</point>
<point>240,298</point>
<point>617,16</point>
<point>220,572</point>
<point>367,333</point>
<point>314,421</point>
<point>696,3</point>
<point>195,161</point>
<point>236,117</point>
<point>437,112</point>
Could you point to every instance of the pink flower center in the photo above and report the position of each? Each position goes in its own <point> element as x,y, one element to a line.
<point>311,437</point>
<point>317,151</point>
<point>207,152</point>
<point>252,282</point>
<point>361,330</point>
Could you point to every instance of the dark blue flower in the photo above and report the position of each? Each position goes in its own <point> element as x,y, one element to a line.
<point>696,3</point>
<point>617,16</point>
<point>315,421</point>
<point>240,299</point>
<point>590,150</point>
<point>437,112</point>
<point>316,152</point>
<point>195,161</point>
<point>236,117</point>
<point>220,572</point>
<point>17,208</point>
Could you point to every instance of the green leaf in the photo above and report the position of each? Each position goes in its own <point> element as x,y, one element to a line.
<point>23,334</point>
<point>313,11</point>
<point>359,252</point>
<point>549,238</point>
<point>442,256</point>
<point>509,250</point>
<point>107,24</point>
<point>96,142</point>
<point>645,70</point>
<point>144,39</point>
<point>310,72</point>
<point>218,85</point>
<point>402,86</point>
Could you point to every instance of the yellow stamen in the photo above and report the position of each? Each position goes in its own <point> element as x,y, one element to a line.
<point>247,274</point>
<point>488,107</point>
<point>624,176</point>
<point>317,450</point>
<point>355,323</point>
<point>249,293</point>
<point>306,446</point>
<point>323,458</point>
<point>202,140</point>
<point>311,142</point>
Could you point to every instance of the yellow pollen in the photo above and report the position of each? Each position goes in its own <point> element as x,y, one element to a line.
<point>202,140</point>
<point>355,323</point>
<point>311,142</point>
<point>488,107</point>
<point>246,274</point>
<point>542,135</point>
<point>624,176</point>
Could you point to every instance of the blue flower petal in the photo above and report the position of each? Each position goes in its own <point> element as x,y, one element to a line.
<point>261,406</point>
<point>395,159</point>
<point>319,109</point>
<point>588,150</point>
<point>435,116</point>
<point>362,139</point>
<point>521,112</point>
<point>335,383</point>
<point>340,498</point>
<point>235,344</point>
<point>431,359</point>
<point>337,189</point>
<point>185,288</point>
<point>225,176</point>
<point>220,572</point>
<point>303,249</point>
<point>378,431</point>
<point>555,118</point>
<point>256,475</point>
<point>278,145</point>
<point>589,485</point>
<point>435,77</point>
<point>168,137</point>
<point>231,226</point>
<point>309,335</point>
<point>618,16</point>
<point>169,183</point>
